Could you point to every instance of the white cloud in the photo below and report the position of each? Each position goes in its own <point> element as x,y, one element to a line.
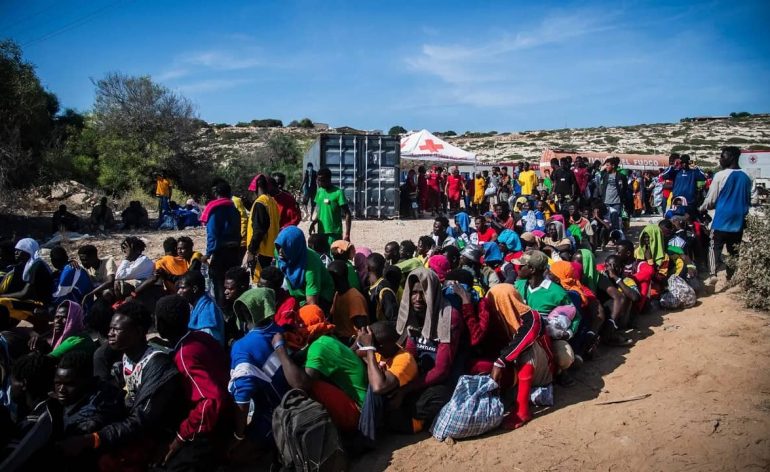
<point>211,85</point>
<point>212,60</point>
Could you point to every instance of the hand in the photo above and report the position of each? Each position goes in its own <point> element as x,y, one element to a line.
<point>277,338</point>
<point>365,337</point>
<point>250,260</point>
<point>497,374</point>
<point>32,343</point>
<point>611,273</point>
<point>74,445</point>
<point>173,448</point>
<point>461,293</point>
<point>346,238</point>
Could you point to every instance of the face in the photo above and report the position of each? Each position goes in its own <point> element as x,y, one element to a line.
<point>123,334</point>
<point>552,233</point>
<point>644,240</point>
<point>129,252</point>
<point>500,212</point>
<point>391,252</point>
<point>417,298</point>
<point>21,256</point>
<point>622,253</point>
<point>540,205</point>
<point>422,249</point>
<point>324,180</point>
<point>404,253</point>
<point>232,291</point>
<point>724,160</point>
<point>184,250</point>
<point>186,290</point>
<point>573,211</point>
<point>438,228</point>
<point>68,388</point>
<point>667,232</point>
<point>614,263</point>
<point>480,223</point>
<point>526,166</point>
<point>525,271</point>
<point>60,318</point>
<point>281,253</point>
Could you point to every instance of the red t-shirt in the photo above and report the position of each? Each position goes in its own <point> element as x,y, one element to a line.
<point>487,235</point>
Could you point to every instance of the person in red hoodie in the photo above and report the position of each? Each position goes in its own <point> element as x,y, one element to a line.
<point>288,208</point>
<point>204,367</point>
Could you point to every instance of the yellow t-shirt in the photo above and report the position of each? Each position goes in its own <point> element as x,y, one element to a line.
<point>162,187</point>
<point>402,366</point>
<point>528,182</point>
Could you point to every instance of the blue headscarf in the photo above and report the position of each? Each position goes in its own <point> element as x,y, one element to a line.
<point>510,239</point>
<point>292,240</point>
<point>492,253</point>
<point>463,221</point>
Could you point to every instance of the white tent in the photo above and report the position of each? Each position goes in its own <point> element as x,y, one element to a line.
<point>424,146</point>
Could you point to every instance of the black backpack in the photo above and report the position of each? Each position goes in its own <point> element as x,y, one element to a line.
<point>306,438</point>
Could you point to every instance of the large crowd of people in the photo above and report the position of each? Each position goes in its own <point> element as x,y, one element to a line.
<point>182,363</point>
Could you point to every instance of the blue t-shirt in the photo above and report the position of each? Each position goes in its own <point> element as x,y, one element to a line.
<point>256,370</point>
<point>733,201</point>
<point>685,182</point>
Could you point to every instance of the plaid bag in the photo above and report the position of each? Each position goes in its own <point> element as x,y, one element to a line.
<point>474,409</point>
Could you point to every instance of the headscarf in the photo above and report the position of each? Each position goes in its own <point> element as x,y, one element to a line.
<point>509,306</point>
<point>559,231</point>
<point>343,248</point>
<point>31,247</point>
<point>657,248</point>
<point>314,322</point>
<point>564,274</point>
<point>258,302</point>
<point>558,217</point>
<point>292,240</point>
<point>520,200</point>
<point>438,311</point>
<point>440,265</point>
<point>463,221</point>
<point>492,253</point>
<point>532,239</point>
<point>510,239</point>
<point>590,274</point>
<point>72,326</point>
<point>359,260</point>
<point>253,184</point>
<point>538,234</point>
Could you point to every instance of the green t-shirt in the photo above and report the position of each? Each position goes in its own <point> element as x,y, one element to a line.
<point>329,204</point>
<point>340,365</point>
<point>544,298</point>
<point>77,342</point>
<point>353,279</point>
<point>317,280</point>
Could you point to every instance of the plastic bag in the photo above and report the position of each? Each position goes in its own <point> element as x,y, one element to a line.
<point>542,396</point>
<point>474,409</point>
<point>679,294</point>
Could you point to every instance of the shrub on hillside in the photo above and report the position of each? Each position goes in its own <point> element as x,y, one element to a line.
<point>753,265</point>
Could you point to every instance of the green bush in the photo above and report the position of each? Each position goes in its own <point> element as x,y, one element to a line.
<point>737,141</point>
<point>759,147</point>
<point>753,266</point>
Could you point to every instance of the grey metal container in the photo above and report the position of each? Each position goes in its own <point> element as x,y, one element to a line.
<point>366,167</point>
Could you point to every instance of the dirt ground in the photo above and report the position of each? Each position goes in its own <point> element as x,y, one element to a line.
<point>704,369</point>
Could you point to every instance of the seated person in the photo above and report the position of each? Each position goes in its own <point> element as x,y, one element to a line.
<point>202,362</point>
<point>555,240</point>
<point>29,289</point>
<point>433,330</point>
<point>383,304</point>
<point>349,308</point>
<point>406,250</point>
<point>344,251</point>
<point>495,269</point>
<point>237,281</point>
<point>389,367</point>
<point>441,237</point>
<point>70,281</point>
<point>343,388</point>
<point>101,271</point>
<point>135,216</point>
<point>206,315</point>
<point>538,291</point>
<point>152,397</point>
<point>484,232</point>
<point>306,277</point>
<point>286,306</point>
<point>618,292</point>
<point>533,219</point>
<point>189,215</point>
<point>102,217</point>
<point>255,369</point>
<point>69,332</point>
<point>136,267</point>
<point>63,220</point>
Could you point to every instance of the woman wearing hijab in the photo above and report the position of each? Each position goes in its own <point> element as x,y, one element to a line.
<point>307,278</point>
<point>69,331</point>
<point>555,238</point>
<point>528,352</point>
<point>433,330</point>
<point>30,287</point>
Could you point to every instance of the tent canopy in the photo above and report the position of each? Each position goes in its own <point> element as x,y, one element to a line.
<point>424,146</point>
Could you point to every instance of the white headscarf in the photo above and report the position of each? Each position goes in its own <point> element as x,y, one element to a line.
<point>31,247</point>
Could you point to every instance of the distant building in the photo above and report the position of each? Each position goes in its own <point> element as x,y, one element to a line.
<point>703,118</point>
<point>321,126</point>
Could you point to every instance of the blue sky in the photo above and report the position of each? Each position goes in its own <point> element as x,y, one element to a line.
<point>460,65</point>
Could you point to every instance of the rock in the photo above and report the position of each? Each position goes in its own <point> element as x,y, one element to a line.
<point>79,199</point>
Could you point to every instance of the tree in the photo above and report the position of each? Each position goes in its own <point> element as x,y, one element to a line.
<point>267,123</point>
<point>144,127</point>
<point>396,130</point>
<point>27,114</point>
<point>305,123</point>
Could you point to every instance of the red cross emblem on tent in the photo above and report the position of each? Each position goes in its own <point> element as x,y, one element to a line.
<point>431,146</point>
<point>753,159</point>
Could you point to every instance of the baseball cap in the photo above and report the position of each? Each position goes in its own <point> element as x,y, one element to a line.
<point>472,252</point>
<point>535,259</point>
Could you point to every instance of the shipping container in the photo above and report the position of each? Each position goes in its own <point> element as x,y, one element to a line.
<point>366,167</point>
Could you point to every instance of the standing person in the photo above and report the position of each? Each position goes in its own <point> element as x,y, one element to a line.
<point>309,187</point>
<point>163,190</point>
<point>479,189</point>
<point>582,177</point>
<point>564,183</point>
<point>288,209</point>
<point>422,189</point>
<point>505,185</point>
<point>729,196</point>
<point>203,365</point>
<point>528,182</point>
<point>332,206</point>
<point>612,188</point>
<point>223,237</point>
<point>454,188</point>
<point>263,227</point>
<point>685,179</point>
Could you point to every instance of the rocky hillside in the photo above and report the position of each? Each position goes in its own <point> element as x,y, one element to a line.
<point>700,139</point>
